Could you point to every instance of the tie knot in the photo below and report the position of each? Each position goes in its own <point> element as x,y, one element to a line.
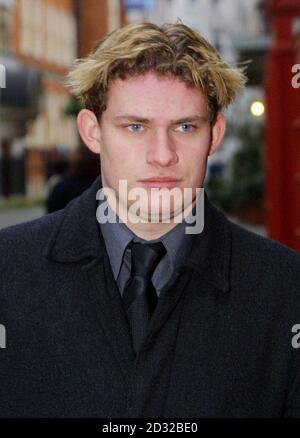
<point>145,257</point>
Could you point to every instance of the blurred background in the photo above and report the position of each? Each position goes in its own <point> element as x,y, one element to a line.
<point>255,175</point>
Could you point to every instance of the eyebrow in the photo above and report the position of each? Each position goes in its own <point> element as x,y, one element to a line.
<point>133,118</point>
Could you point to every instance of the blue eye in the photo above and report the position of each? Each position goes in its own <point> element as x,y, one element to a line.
<point>190,127</point>
<point>134,125</point>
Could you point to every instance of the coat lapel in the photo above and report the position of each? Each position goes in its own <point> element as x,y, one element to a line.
<point>77,238</point>
<point>208,262</point>
<point>106,301</point>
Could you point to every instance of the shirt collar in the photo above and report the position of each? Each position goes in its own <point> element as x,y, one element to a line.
<point>117,236</point>
<point>76,236</point>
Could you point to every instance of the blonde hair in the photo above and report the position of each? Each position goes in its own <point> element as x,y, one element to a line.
<point>172,49</point>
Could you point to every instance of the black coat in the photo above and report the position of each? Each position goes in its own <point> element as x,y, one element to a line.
<point>219,344</point>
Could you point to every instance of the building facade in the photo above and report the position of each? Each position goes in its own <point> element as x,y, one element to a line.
<point>46,36</point>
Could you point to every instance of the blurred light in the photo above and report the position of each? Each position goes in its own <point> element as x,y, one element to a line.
<point>257,108</point>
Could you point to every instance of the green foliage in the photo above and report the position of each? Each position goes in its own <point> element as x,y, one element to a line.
<point>245,187</point>
<point>73,107</point>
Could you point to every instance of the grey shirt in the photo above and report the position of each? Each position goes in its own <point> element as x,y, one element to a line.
<point>117,236</point>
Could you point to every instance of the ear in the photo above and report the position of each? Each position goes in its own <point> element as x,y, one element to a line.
<point>89,130</point>
<point>217,133</point>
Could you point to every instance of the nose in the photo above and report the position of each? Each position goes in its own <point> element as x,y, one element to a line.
<point>161,150</point>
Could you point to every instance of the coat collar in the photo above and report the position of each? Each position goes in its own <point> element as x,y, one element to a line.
<point>77,237</point>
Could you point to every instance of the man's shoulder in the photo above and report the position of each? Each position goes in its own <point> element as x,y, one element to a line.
<point>68,234</point>
<point>258,252</point>
<point>30,237</point>
<point>259,243</point>
<point>246,245</point>
<point>38,231</point>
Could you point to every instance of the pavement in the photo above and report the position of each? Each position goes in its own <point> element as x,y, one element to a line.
<point>19,215</point>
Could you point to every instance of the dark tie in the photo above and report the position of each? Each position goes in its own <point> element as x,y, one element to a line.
<point>139,295</point>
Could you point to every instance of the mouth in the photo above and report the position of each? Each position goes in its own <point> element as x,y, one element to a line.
<point>160,181</point>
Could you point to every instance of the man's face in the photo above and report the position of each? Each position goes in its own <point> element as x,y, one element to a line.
<point>155,127</point>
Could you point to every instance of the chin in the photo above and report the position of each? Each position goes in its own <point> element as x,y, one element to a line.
<point>165,214</point>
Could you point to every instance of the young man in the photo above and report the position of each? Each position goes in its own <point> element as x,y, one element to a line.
<point>140,318</point>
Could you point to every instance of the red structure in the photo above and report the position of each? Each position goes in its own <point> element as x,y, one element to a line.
<point>282,154</point>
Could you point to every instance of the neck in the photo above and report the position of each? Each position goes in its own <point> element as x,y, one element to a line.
<point>152,230</point>
<point>149,230</point>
